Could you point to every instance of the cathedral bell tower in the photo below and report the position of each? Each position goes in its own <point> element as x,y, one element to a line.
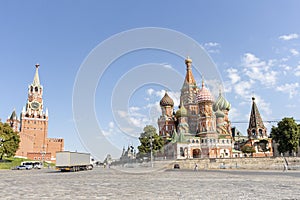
<point>256,128</point>
<point>166,122</point>
<point>207,120</point>
<point>188,96</point>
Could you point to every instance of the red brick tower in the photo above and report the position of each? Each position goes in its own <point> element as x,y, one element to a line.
<point>34,121</point>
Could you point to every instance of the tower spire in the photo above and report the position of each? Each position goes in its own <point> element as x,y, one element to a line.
<point>255,122</point>
<point>36,79</point>
<point>189,78</point>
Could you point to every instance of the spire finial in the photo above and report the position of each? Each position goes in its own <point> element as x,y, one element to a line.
<point>202,81</point>
<point>253,98</point>
<point>188,60</point>
<point>220,92</point>
<point>36,79</point>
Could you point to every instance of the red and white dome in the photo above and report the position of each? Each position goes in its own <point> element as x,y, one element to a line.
<point>204,94</point>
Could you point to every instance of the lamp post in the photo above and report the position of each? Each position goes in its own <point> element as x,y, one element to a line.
<point>43,153</point>
<point>151,156</point>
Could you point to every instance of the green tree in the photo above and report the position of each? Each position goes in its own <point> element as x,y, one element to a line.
<point>146,137</point>
<point>287,135</point>
<point>9,141</point>
<point>248,149</point>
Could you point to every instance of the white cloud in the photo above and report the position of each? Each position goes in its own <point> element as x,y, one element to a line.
<point>150,91</point>
<point>294,52</point>
<point>111,125</point>
<point>134,109</point>
<point>263,106</point>
<point>297,71</point>
<point>233,75</point>
<point>285,67</point>
<point>168,66</point>
<point>212,47</point>
<point>211,44</point>
<point>289,37</point>
<point>257,69</point>
<point>250,60</point>
<point>243,88</point>
<point>227,86</point>
<point>111,129</point>
<point>291,89</point>
<point>122,113</point>
<point>214,86</point>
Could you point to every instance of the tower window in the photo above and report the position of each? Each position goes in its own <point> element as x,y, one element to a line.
<point>36,89</point>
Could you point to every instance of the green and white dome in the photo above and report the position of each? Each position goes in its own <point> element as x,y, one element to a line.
<point>182,112</point>
<point>221,103</point>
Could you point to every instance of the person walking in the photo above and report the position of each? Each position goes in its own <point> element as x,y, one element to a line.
<point>196,167</point>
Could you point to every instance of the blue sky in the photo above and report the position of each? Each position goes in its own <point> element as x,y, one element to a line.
<point>254,44</point>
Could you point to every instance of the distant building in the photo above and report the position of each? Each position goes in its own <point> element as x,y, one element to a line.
<point>128,155</point>
<point>33,126</point>
<point>200,128</point>
<point>257,134</point>
<point>13,121</point>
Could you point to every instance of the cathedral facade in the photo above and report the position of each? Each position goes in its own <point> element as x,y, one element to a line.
<point>33,126</point>
<point>200,128</point>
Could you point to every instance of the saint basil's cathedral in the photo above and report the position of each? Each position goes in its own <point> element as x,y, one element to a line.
<point>200,128</point>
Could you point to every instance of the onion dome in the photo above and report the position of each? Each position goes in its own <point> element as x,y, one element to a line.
<point>182,112</point>
<point>221,103</point>
<point>166,100</point>
<point>204,94</point>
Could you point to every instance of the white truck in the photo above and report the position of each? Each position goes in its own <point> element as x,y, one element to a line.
<point>73,161</point>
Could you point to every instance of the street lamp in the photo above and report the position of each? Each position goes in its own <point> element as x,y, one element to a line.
<point>151,156</point>
<point>43,153</point>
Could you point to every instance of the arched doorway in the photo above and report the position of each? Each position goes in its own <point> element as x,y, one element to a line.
<point>196,153</point>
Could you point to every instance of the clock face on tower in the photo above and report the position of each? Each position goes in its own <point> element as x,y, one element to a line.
<point>35,105</point>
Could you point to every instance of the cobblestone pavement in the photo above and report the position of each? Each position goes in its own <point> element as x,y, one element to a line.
<point>102,183</point>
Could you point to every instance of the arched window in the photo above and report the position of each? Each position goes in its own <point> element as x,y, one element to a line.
<point>260,132</point>
<point>253,132</point>
<point>181,151</point>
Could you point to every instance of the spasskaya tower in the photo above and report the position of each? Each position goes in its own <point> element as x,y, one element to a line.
<point>35,143</point>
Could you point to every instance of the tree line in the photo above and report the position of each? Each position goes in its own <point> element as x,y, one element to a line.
<point>9,141</point>
<point>287,135</point>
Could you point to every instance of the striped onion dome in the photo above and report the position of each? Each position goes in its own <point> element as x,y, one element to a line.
<point>221,103</point>
<point>204,94</point>
<point>166,100</point>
